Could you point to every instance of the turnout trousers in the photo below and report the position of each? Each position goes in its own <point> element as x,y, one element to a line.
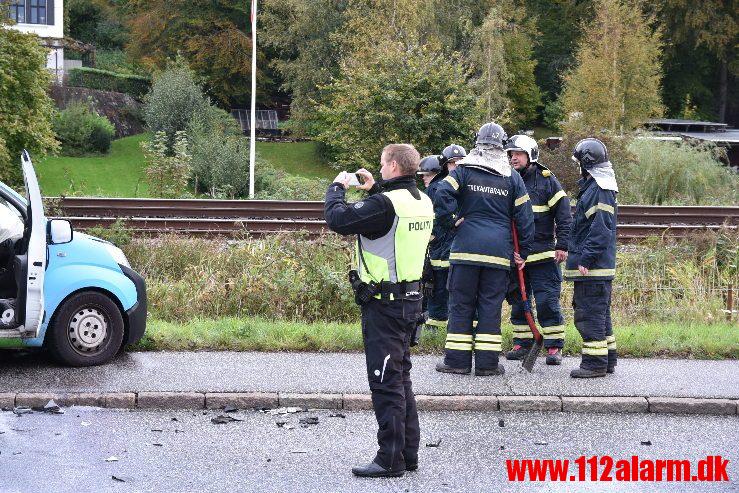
<point>475,288</point>
<point>592,303</point>
<point>438,302</point>
<point>544,281</point>
<point>387,329</point>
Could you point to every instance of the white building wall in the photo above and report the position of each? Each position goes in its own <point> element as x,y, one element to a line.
<point>52,34</point>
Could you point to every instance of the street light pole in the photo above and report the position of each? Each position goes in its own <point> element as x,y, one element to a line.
<point>253,121</point>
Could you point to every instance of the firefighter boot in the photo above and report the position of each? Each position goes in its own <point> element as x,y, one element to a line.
<point>554,356</point>
<point>583,373</point>
<point>519,352</point>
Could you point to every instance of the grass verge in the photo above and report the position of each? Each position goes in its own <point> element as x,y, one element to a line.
<point>117,174</point>
<point>698,341</point>
<point>296,158</point>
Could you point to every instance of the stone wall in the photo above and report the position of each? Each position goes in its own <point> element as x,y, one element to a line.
<point>123,111</point>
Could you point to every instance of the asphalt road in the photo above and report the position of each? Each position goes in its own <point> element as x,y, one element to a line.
<point>346,373</point>
<point>186,452</point>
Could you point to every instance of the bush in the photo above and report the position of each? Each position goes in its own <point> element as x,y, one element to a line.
<point>117,61</point>
<point>82,131</point>
<point>677,173</point>
<point>103,80</point>
<point>174,99</point>
<point>289,276</point>
<point>167,172</point>
<point>559,160</point>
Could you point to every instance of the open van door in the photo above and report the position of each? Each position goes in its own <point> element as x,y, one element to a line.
<point>31,264</point>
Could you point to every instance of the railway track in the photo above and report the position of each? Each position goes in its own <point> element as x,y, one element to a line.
<point>262,217</point>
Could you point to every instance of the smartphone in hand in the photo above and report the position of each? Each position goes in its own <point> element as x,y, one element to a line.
<point>354,179</point>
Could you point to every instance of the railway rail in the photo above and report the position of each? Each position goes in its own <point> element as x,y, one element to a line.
<point>199,217</point>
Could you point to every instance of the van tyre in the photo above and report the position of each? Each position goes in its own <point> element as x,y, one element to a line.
<point>87,330</point>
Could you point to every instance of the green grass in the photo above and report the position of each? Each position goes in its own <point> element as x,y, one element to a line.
<point>296,158</point>
<point>121,172</point>
<point>117,174</point>
<point>699,341</point>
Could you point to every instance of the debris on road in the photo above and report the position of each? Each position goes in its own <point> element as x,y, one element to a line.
<point>112,458</point>
<point>230,409</point>
<point>311,420</point>
<point>116,478</point>
<point>541,442</point>
<point>337,415</point>
<point>434,444</point>
<point>501,423</point>
<point>286,410</point>
<point>222,420</point>
<point>19,411</point>
<point>646,442</point>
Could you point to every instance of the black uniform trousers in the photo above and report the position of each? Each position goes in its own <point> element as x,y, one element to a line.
<point>544,281</point>
<point>592,303</point>
<point>475,288</point>
<point>387,329</point>
<point>438,303</point>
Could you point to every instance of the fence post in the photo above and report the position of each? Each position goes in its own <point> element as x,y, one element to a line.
<point>730,303</point>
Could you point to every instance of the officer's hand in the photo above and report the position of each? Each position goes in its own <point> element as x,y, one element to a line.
<point>459,221</point>
<point>368,180</point>
<point>582,270</point>
<point>520,263</point>
<point>560,256</point>
<point>342,178</point>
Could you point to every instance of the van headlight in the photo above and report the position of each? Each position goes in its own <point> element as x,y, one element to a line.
<point>117,254</point>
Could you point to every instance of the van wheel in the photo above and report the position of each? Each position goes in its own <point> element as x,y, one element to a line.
<point>87,330</point>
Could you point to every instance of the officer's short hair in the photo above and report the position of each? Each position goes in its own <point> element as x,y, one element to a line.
<point>405,155</point>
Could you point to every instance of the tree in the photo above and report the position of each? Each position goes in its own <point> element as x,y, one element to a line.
<point>398,96</point>
<point>616,82</point>
<point>26,110</point>
<point>210,35</point>
<point>302,34</point>
<point>701,32</point>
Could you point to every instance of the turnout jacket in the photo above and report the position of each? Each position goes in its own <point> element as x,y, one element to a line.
<point>552,213</point>
<point>593,236</point>
<point>488,202</point>
<point>441,244</point>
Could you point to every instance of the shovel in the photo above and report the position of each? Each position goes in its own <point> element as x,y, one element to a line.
<point>530,359</point>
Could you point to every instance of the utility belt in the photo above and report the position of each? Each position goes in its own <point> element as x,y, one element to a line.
<point>384,290</point>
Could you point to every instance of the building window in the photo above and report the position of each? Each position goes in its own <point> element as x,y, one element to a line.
<point>18,11</point>
<point>38,12</point>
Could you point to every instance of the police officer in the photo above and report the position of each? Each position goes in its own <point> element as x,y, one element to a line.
<point>393,225</point>
<point>487,196</point>
<point>592,258</point>
<point>441,240</point>
<point>543,277</point>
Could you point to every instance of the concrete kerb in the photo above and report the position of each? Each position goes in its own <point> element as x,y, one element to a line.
<point>356,402</point>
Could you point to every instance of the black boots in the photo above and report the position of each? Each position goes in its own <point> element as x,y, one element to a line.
<point>374,470</point>
<point>554,356</point>
<point>518,353</point>
<point>486,372</point>
<point>444,368</point>
<point>583,373</point>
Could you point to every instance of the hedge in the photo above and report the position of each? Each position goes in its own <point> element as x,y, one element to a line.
<point>103,80</point>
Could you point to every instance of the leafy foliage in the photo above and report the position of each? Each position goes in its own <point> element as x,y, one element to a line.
<point>210,35</point>
<point>82,131</point>
<point>616,83</point>
<point>103,80</point>
<point>167,172</point>
<point>677,173</point>
<point>25,108</point>
<point>399,96</point>
<point>174,99</point>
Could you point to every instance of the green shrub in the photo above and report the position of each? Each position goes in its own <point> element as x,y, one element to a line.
<point>167,173</point>
<point>117,61</point>
<point>174,99</point>
<point>677,173</point>
<point>103,80</point>
<point>82,131</point>
<point>290,276</point>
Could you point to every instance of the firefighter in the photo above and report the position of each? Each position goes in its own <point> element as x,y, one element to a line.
<point>486,196</point>
<point>441,240</point>
<point>393,226</point>
<point>543,276</point>
<point>591,264</point>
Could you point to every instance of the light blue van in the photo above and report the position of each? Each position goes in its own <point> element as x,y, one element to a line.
<point>66,291</point>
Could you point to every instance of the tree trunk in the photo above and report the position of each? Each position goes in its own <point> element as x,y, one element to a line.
<point>723,92</point>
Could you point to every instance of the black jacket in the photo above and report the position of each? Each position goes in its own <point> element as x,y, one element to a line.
<point>488,202</point>
<point>372,217</point>
<point>552,213</point>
